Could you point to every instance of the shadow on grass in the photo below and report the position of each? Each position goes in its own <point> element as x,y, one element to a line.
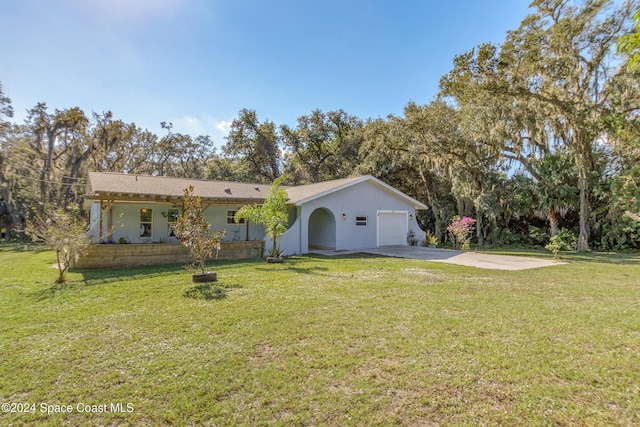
<point>109,275</point>
<point>23,246</point>
<point>54,290</point>
<point>315,270</point>
<point>353,255</point>
<point>99,276</point>
<point>603,257</point>
<point>619,258</point>
<point>206,291</point>
<point>294,264</point>
<point>299,263</point>
<point>209,291</point>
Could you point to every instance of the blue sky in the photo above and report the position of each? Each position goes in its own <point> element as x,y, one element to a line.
<point>196,63</point>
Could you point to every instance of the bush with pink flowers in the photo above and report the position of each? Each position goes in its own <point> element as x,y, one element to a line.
<point>461,229</point>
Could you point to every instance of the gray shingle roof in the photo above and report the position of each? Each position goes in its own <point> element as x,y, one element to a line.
<point>119,186</point>
<point>131,186</point>
<point>302,192</point>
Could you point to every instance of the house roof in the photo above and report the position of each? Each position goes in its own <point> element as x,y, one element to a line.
<point>132,187</point>
<point>306,193</point>
<point>120,186</point>
<point>301,193</point>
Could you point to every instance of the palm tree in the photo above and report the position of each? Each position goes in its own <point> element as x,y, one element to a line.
<point>556,191</point>
<point>273,213</point>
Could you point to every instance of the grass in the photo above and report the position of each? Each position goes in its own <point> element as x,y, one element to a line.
<point>353,340</point>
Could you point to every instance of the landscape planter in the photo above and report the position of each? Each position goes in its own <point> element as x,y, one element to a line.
<point>209,276</point>
<point>275,260</point>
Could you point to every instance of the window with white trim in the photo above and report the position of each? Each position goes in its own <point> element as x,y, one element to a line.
<point>146,222</point>
<point>172,218</point>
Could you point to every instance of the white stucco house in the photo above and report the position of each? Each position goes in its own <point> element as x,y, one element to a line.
<point>350,214</point>
<point>344,214</point>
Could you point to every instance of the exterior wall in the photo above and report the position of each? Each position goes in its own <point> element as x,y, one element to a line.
<point>289,242</point>
<point>363,199</point>
<point>217,217</point>
<point>131,255</point>
<point>125,222</point>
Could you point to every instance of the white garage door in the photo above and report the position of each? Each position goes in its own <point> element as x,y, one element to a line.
<point>392,228</point>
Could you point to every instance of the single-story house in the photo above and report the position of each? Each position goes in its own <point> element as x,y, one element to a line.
<point>343,214</point>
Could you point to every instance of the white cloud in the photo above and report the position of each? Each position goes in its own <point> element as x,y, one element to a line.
<point>189,125</point>
<point>224,126</point>
<point>203,125</point>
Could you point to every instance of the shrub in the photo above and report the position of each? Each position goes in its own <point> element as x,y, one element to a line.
<point>538,236</point>
<point>461,230</point>
<point>430,239</point>
<point>564,240</point>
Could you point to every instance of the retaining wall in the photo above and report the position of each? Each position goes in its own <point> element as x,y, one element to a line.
<point>131,255</point>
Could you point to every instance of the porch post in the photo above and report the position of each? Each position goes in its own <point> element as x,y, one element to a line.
<point>110,220</point>
<point>100,228</point>
<point>105,209</point>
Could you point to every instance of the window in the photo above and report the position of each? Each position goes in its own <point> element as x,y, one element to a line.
<point>172,218</point>
<point>361,221</point>
<point>146,222</point>
<point>231,218</point>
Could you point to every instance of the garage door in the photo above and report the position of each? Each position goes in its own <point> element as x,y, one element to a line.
<point>392,228</point>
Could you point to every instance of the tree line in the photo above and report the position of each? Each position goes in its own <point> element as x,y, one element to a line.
<point>533,137</point>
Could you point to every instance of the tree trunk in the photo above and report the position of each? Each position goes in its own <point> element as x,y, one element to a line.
<point>72,178</point>
<point>438,222</point>
<point>583,238</point>
<point>583,185</point>
<point>13,218</point>
<point>201,261</point>
<point>553,222</point>
<point>61,270</point>
<point>45,184</point>
<point>433,204</point>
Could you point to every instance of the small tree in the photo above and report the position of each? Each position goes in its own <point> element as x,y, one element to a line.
<point>273,213</point>
<point>564,240</point>
<point>461,230</point>
<point>65,232</point>
<point>192,229</point>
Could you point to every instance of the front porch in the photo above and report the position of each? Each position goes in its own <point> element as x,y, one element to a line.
<point>131,255</point>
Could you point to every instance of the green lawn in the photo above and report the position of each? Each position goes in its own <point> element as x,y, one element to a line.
<point>355,340</point>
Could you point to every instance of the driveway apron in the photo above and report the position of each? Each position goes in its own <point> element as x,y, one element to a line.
<point>471,259</point>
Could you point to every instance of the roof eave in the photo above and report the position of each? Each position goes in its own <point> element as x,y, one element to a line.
<point>332,190</point>
<point>417,205</point>
<point>158,198</point>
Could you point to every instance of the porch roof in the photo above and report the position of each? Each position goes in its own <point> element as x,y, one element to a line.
<point>134,187</point>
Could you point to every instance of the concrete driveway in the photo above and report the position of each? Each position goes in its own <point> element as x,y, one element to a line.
<point>471,259</point>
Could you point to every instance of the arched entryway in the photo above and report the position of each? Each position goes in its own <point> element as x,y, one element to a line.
<point>322,229</point>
